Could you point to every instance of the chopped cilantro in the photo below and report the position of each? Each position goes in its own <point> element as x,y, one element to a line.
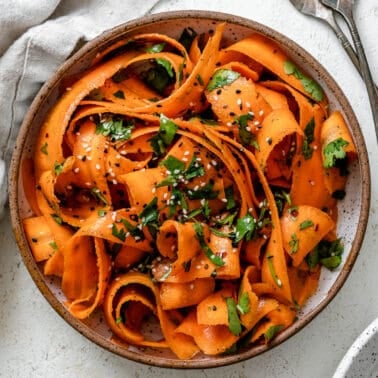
<point>307,150</point>
<point>166,65</point>
<point>229,192</point>
<point>119,94</point>
<point>221,78</point>
<point>272,271</point>
<point>205,192</point>
<point>272,331</point>
<point>99,195</point>
<point>243,305</point>
<point>306,224</point>
<point>159,47</point>
<point>44,148</point>
<point>58,168</point>
<point>246,136</point>
<point>53,245</point>
<point>57,218</point>
<point>101,213</point>
<point>309,85</point>
<point>334,151</point>
<point>119,233</point>
<point>165,135</point>
<point>135,231</point>
<point>157,78</point>
<point>294,243</point>
<point>150,213</point>
<point>215,259</point>
<point>234,324</point>
<point>115,129</point>
<point>245,227</point>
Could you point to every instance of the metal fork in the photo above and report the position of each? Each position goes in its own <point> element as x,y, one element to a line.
<point>316,9</point>
<point>345,9</point>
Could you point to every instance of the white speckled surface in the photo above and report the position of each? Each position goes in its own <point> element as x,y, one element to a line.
<point>36,342</point>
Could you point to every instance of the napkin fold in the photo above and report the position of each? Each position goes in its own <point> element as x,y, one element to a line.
<point>36,37</point>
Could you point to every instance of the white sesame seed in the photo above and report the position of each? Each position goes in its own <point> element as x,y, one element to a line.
<point>110,225</point>
<point>248,128</point>
<point>89,158</point>
<point>80,157</point>
<point>98,166</point>
<point>279,282</point>
<point>88,149</point>
<point>256,123</point>
<point>153,190</point>
<point>76,170</point>
<point>208,166</point>
<point>176,171</point>
<point>196,188</point>
<point>118,157</point>
<point>247,104</point>
<point>224,200</point>
<point>115,182</point>
<point>85,145</point>
<point>261,112</point>
<point>216,98</point>
<point>191,286</point>
<point>315,147</point>
<point>229,124</point>
<point>184,159</point>
<point>165,195</point>
<point>123,152</point>
<point>239,101</point>
<point>186,153</point>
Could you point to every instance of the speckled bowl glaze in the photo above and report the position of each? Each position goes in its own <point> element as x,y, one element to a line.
<point>361,359</point>
<point>353,210</point>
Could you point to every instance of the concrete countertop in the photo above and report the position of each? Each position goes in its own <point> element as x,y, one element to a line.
<point>36,342</point>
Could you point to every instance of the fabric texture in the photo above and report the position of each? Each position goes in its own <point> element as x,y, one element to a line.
<point>36,37</point>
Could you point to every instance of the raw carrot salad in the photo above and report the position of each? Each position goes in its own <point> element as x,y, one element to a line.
<point>194,182</point>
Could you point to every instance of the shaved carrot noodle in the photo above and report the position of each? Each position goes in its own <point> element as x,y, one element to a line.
<point>174,185</point>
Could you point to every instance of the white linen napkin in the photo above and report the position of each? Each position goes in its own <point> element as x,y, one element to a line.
<point>36,37</point>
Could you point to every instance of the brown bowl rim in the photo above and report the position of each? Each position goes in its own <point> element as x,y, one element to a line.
<point>127,28</point>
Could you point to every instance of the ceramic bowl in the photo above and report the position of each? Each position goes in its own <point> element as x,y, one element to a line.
<point>353,209</point>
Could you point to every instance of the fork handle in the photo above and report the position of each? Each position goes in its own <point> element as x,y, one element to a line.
<point>365,70</point>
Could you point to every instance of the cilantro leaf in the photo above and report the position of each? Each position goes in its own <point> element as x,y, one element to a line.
<point>244,228</point>
<point>157,48</point>
<point>157,78</point>
<point>99,195</point>
<point>174,165</point>
<point>221,78</point>
<point>58,168</point>
<point>119,233</point>
<point>234,324</point>
<point>229,192</point>
<point>294,243</point>
<point>272,271</point>
<point>57,218</point>
<point>307,150</point>
<point>115,129</point>
<point>334,151</point>
<point>205,192</point>
<point>246,136</point>
<point>165,135</point>
<point>119,94</point>
<point>306,224</point>
<point>150,213</point>
<point>166,65</point>
<point>195,169</point>
<point>215,259</point>
<point>309,85</point>
<point>43,149</point>
<point>272,331</point>
<point>243,305</point>
<point>135,231</point>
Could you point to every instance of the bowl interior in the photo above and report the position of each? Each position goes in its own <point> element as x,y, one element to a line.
<point>353,210</point>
